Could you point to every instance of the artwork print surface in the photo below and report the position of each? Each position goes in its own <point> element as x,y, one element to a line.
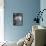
<point>17,19</point>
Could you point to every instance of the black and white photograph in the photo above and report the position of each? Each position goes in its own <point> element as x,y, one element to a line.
<point>17,19</point>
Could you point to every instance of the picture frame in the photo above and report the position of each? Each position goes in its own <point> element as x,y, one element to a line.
<point>17,19</point>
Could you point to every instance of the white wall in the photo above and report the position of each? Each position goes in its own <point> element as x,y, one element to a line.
<point>1,20</point>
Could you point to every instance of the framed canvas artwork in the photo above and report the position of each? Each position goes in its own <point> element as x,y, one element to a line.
<point>17,19</point>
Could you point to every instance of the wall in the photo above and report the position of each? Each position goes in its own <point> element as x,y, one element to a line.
<point>1,20</point>
<point>43,6</point>
<point>28,8</point>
